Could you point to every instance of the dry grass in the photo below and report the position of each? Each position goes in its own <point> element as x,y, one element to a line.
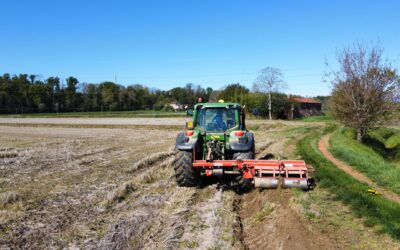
<point>150,175</point>
<point>113,187</point>
<point>9,198</point>
<point>150,160</point>
<point>62,176</point>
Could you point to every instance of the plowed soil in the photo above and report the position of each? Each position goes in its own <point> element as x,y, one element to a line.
<point>283,228</point>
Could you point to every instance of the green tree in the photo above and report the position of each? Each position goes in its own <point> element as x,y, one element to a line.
<point>109,92</point>
<point>70,92</point>
<point>234,93</point>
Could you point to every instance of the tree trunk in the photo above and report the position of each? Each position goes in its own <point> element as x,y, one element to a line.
<point>360,135</point>
<point>269,106</point>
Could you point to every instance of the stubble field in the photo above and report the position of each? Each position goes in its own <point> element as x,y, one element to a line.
<point>109,184</point>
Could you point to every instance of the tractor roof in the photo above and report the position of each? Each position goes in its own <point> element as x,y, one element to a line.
<point>217,104</point>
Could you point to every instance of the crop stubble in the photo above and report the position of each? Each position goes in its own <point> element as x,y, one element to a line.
<point>114,188</point>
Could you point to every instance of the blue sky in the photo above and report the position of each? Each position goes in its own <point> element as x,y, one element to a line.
<point>165,44</point>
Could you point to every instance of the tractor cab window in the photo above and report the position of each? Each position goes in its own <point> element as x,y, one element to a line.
<point>216,119</point>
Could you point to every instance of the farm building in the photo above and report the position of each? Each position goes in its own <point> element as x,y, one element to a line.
<point>177,106</point>
<point>301,107</point>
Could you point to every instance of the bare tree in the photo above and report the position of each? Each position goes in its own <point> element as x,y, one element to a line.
<point>397,94</point>
<point>364,89</point>
<point>269,80</point>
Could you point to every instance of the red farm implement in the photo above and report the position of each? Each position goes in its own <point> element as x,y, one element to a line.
<point>262,173</point>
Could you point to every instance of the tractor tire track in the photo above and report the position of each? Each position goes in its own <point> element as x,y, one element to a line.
<point>238,229</point>
<point>323,146</point>
<point>150,163</point>
<point>203,228</point>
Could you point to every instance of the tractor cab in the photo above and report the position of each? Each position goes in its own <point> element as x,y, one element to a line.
<point>218,117</point>
<point>218,131</point>
<point>216,120</point>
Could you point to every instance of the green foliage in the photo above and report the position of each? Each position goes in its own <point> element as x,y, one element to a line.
<point>385,141</point>
<point>319,118</point>
<point>393,142</point>
<point>376,210</point>
<point>25,94</point>
<point>234,93</point>
<point>21,94</point>
<point>366,158</point>
<point>256,102</point>
<point>189,94</point>
<point>390,138</point>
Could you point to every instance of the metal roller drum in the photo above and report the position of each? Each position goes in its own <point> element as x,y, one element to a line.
<point>266,182</point>
<point>295,183</point>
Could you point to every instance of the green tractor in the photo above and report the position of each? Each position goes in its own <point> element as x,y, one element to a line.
<point>217,144</point>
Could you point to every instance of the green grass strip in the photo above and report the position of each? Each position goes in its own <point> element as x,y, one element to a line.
<point>365,160</point>
<point>376,210</point>
<point>319,118</point>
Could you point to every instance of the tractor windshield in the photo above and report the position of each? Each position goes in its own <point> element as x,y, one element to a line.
<point>216,119</point>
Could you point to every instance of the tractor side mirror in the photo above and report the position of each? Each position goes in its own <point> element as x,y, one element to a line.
<point>189,112</point>
<point>189,125</point>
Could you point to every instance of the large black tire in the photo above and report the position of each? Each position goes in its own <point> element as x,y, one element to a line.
<point>243,155</point>
<point>242,184</point>
<point>186,175</point>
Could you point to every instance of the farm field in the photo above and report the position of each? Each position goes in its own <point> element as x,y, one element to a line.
<point>119,121</point>
<point>99,114</point>
<point>65,183</point>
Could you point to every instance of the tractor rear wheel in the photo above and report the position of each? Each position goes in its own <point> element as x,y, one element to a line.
<point>243,185</point>
<point>186,175</point>
<point>243,155</point>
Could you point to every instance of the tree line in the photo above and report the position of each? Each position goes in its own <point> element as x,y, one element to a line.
<point>25,93</point>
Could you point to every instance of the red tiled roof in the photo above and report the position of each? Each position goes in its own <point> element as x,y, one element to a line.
<point>304,100</point>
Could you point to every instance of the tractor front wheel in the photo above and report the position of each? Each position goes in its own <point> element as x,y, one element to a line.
<point>186,175</point>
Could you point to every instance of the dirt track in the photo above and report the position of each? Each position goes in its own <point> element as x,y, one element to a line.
<point>101,188</point>
<point>323,146</point>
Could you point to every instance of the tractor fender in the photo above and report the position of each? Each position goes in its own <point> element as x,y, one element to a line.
<point>243,145</point>
<point>185,143</point>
